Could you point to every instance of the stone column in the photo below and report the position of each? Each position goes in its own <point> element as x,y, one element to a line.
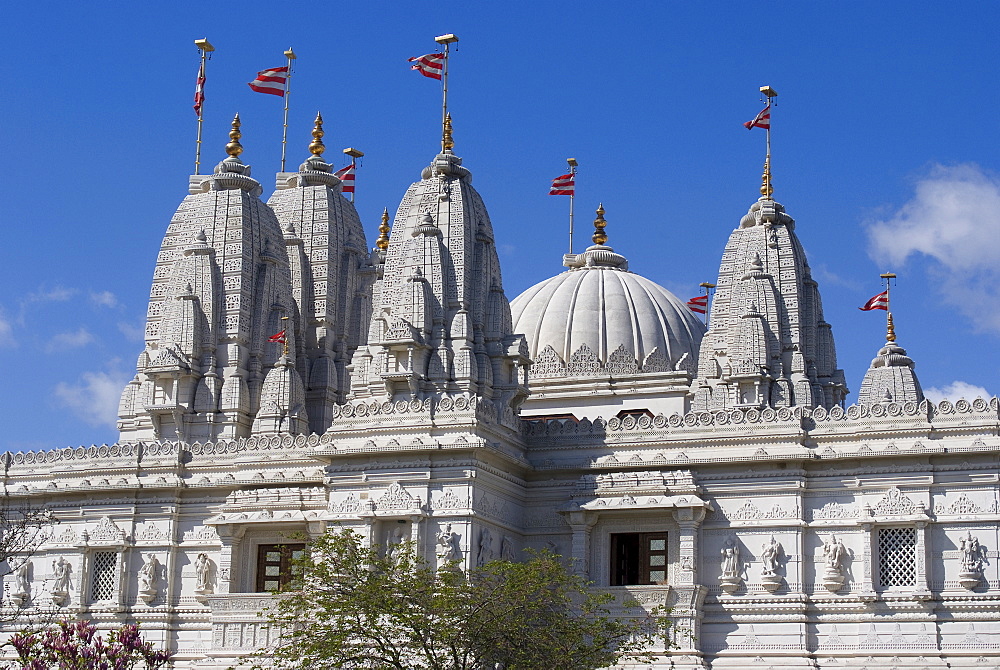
<point>581,522</point>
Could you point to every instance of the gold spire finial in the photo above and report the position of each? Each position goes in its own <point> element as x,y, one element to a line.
<point>316,147</point>
<point>890,329</point>
<point>599,236</point>
<point>447,143</point>
<point>383,231</point>
<point>234,148</point>
<point>765,179</point>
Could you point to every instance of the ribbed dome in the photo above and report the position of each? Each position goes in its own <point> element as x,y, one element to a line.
<point>599,319</point>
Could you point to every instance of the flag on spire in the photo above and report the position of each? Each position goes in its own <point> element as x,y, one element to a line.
<point>199,90</point>
<point>429,65</point>
<point>762,120</point>
<point>698,304</point>
<point>880,301</point>
<point>346,176</point>
<point>564,184</point>
<point>271,81</point>
<point>278,337</point>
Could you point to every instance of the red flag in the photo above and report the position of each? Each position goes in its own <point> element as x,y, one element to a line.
<point>277,337</point>
<point>346,176</point>
<point>762,120</point>
<point>199,90</point>
<point>429,65</point>
<point>564,184</point>
<point>698,304</point>
<point>880,301</point>
<point>271,81</point>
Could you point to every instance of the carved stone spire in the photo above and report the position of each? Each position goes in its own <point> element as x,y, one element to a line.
<point>332,276</point>
<point>441,325</point>
<point>891,377</point>
<point>768,345</point>
<point>220,288</point>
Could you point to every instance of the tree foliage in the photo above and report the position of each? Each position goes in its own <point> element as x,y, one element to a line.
<point>77,646</point>
<point>354,607</point>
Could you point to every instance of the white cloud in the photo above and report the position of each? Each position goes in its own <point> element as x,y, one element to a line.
<point>6,331</point>
<point>94,397</point>
<point>955,391</point>
<point>54,294</point>
<point>133,331</point>
<point>954,219</point>
<point>74,340</point>
<point>104,299</point>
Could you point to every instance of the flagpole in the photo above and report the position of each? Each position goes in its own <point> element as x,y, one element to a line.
<point>572,196</point>
<point>204,47</point>
<point>708,286</point>
<point>290,55</point>
<point>446,40</point>
<point>890,331</point>
<point>766,189</point>
<point>355,155</point>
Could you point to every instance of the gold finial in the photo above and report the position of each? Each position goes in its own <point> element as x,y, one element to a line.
<point>234,148</point>
<point>383,231</point>
<point>890,329</point>
<point>447,143</point>
<point>599,236</point>
<point>316,147</point>
<point>765,180</point>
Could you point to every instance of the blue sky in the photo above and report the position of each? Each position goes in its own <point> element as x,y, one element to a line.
<point>885,152</point>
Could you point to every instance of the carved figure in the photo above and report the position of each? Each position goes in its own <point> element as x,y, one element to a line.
<point>973,555</point>
<point>507,548</point>
<point>147,575</point>
<point>21,584</point>
<point>731,559</point>
<point>394,545</point>
<point>61,569</point>
<point>834,552</point>
<point>202,571</point>
<point>447,546</point>
<point>485,554</point>
<point>769,556</point>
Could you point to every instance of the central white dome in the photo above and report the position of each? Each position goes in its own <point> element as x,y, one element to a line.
<point>599,319</point>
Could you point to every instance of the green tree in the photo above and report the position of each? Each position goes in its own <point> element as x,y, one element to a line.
<point>355,607</point>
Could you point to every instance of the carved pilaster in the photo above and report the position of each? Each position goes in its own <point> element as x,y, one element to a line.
<point>581,523</point>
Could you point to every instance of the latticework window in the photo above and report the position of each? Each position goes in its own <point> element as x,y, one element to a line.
<point>102,582</point>
<point>897,553</point>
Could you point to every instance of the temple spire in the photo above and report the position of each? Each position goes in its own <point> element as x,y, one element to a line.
<point>234,148</point>
<point>316,147</point>
<point>382,243</point>
<point>600,236</point>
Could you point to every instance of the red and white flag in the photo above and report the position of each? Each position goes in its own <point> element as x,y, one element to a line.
<point>880,301</point>
<point>277,337</point>
<point>346,176</point>
<point>271,81</point>
<point>564,184</point>
<point>698,304</point>
<point>429,65</point>
<point>199,90</point>
<point>762,120</point>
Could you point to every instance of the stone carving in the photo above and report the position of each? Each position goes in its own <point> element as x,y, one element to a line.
<point>770,555</point>
<point>973,557</point>
<point>61,571</point>
<point>448,549</point>
<point>485,553</point>
<point>349,505</point>
<point>203,575</point>
<point>148,574</point>
<point>894,503</point>
<point>834,553</point>
<point>450,501</point>
<point>396,498</point>
<point>107,532</point>
<point>731,579</point>
<point>507,548</point>
<point>20,592</point>
<point>835,510</point>
<point>394,543</point>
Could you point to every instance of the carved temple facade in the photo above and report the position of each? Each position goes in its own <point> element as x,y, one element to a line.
<point>720,473</point>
